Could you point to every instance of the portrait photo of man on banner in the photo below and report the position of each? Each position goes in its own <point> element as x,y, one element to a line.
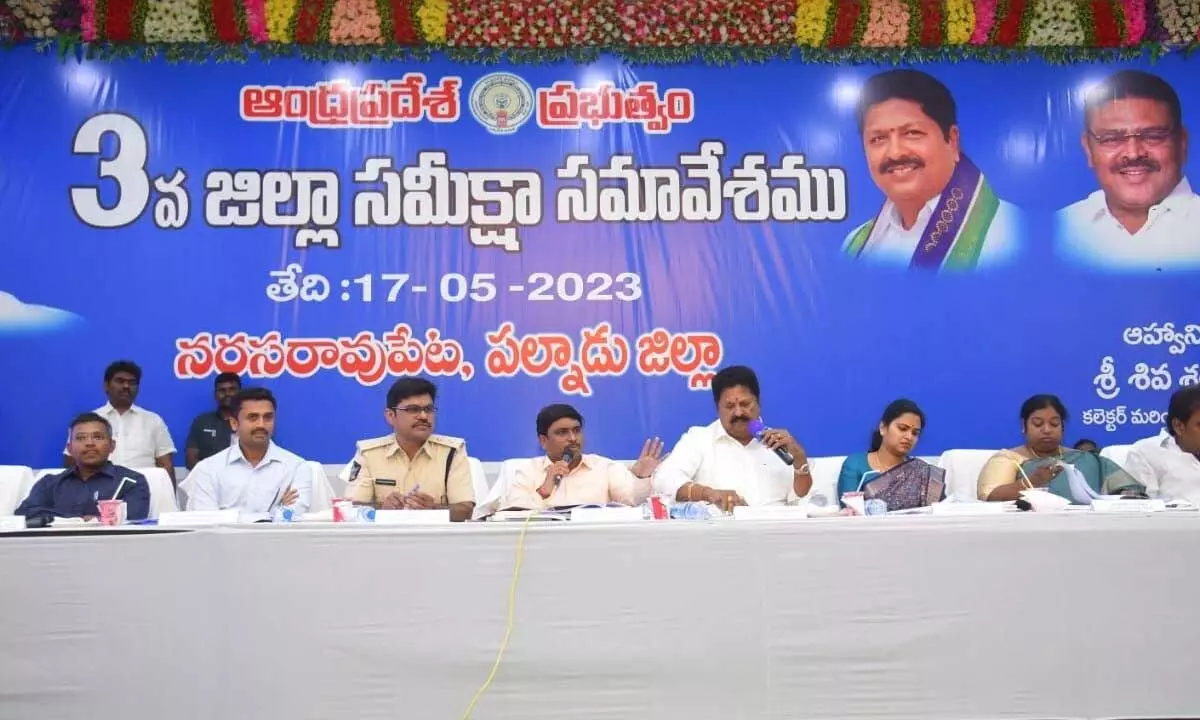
<point>1145,215</point>
<point>940,212</point>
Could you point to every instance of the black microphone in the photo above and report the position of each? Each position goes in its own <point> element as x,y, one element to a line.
<point>568,457</point>
<point>757,428</point>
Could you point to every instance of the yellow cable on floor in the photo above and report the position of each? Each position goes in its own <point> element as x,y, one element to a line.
<point>512,617</point>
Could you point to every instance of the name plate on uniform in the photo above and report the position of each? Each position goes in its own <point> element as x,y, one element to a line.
<point>198,518</point>
<point>1129,506</point>
<point>12,523</point>
<point>607,514</point>
<point>412,517</point>
<point>770,512</point>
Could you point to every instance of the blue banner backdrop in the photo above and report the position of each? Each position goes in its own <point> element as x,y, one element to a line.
<point>604,235</point>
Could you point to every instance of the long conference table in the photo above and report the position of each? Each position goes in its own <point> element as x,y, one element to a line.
<point>1075,615</point>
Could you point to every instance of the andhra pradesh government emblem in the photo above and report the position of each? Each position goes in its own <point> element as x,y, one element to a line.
<point>501,102</point>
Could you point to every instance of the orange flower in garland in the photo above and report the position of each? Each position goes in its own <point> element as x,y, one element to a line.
<point>355,22</point>
<point>887,24</point>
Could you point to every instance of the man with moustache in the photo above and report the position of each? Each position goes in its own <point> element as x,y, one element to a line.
<point>1145,216</point>
<point>723,463</point>
<point>253,475</point>
<point>940,213</point>
<point>75,492</point>
<point>566,476</point>
<point>411,468</point>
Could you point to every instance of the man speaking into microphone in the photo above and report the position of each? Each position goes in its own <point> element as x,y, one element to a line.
<point>566,476</point>
<point>737,460</point>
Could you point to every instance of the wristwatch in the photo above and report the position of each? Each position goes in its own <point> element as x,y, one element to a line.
<point>802,470</point>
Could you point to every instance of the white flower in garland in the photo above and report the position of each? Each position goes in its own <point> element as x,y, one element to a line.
<point>1181,19</point>
<point>174,21</point>
<point>1054,22</point>
<point>35,17</point>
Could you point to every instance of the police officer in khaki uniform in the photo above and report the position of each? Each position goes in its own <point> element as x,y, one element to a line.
<point>412,468</point>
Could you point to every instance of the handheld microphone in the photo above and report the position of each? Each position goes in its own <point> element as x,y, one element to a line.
<point>568,457</point>
<point>757,428</point>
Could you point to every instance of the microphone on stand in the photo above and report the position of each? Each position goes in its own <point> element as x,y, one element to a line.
<point>757,428</point>
<point>568,457</point>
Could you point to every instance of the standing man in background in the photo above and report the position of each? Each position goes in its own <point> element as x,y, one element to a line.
<point>211,432</point>
<point>141,437</point>
<point>412,468</point>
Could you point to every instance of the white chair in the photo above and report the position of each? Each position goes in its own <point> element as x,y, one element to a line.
<point>495,495</point>
<point>322,490</point>
<point>15,483</point>
<point>162,491</point>
<point>1117,453</point>
<point>479,481</point>
<point>962,473</point>
<point>825,471</point>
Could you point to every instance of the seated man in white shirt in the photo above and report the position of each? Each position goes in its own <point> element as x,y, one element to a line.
<point>141,437</point>
<point>253,475</point>
<point>1169,465</point>
<point>1145,216</point>
<point>566,476</point>
<point>724,464</point>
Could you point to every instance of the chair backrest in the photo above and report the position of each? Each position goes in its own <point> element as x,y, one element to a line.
<point>825,471</point>
<point>1116,453</point>
<point>479,482</point>
<point>162,491</point>
<point>15,483</point>
<point>962,473</point>
<point>322,490</point>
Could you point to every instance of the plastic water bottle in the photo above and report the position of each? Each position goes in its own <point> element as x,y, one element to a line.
<point>690,511</point>
<point>366,513</point>
<point>818,500</point>
<point>875,506</point>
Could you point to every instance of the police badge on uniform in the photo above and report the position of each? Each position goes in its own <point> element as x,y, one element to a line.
<point>354,468</point>
<point>501,102</point>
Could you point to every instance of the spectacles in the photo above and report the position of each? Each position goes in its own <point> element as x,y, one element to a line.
<point>416,409</point>
<point>1150,137</point>
<point>84,437</point>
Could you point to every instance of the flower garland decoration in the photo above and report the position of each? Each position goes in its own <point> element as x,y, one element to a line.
<point>355,22</point>
<point>1180,19</point>
<point>432,16</point>
<point>887,24</point>
<point>255,12</point>
<point>87,21</point>
<point>960,22</point>
<point>1054,23</point>
<point>1134,12</point>
<point>171,21</point>
<point>35,17</point>
<point>643,31</point>
<point>280,14</point>
<point>812,18</point>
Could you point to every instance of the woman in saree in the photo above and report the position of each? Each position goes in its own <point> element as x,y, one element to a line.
<point>888,472</point>
<point>1041,461</point>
